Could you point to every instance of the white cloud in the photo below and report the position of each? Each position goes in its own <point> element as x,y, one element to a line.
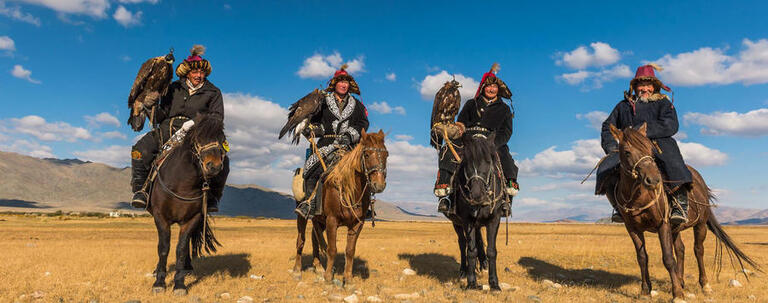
<point>94,8</point>
<point>602,54</point>
<point>752,124</point>
<point>138,1</point>
<point>114,155</point>
<point>595,118</point>
<point>29,148</point>
<point>384,108</point>
<point>597,77</point>
<point>576,162</point>
<point>432,83</point>
<point>411,172</point>
<point>391,77</point>
<point>15,13</point>
<point>102,119</point>
<point>709,65</point>
<point>18,71</point>
<point>56,131</point>
<point>113,135</point>
<point>680,136</point>
<point>698,155</point>
<point>403,137</point>
<point>318,66</point>
<point>7,44</point>
<point>126,18</point>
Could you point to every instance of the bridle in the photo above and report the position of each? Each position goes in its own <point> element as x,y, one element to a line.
<point>491,188</point>
<point>635,188</point>
<point>200,149</point>
<point>379,167</point>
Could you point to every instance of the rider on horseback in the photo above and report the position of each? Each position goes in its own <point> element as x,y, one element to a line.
<point>486,114</point>
<point>647,105</point>
<point>338,125</point>
<point>187,97</point>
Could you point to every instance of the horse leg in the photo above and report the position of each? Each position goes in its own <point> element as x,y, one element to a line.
<point>352,235</point>
<point>700,234</point>
<point>471,257</point>
<point>463,249</point>
<point>491,231</point>
<point>679,257</point>
<point>638,238</point>
<point>301,226</point>
<point>331,230</point>
<point>665,237</point>
<point>182,254</point>
<point>163,246</point>
<point>482,259</point>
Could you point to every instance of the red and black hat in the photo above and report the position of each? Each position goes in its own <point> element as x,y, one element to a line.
<point>490,78</point>
<point>648,73</point>
<point>193,62</point>
<point>343,75</point>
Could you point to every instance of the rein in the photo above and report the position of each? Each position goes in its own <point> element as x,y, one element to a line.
<point>367,171</point>
<point>658,192</point>
<point>492,188</point>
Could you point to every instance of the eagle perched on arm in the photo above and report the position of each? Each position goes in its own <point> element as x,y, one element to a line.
<point>300,114</point>
<point>151,83</point>
<point>444,110</point>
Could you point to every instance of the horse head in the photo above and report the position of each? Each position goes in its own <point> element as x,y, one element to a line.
<point>636,155</point>
<point>479,171</point>
<point>374,160</point>
<point>208,143</point>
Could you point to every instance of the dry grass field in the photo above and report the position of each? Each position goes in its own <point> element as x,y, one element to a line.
<point>49,259</point>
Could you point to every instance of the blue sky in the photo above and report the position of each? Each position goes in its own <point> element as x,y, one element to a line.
<point>66,68</point>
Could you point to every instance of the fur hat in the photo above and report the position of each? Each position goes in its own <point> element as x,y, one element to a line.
<point>647,73</point>
<point>343,75</point>
<point>490,78</point>
<point>193,62</point>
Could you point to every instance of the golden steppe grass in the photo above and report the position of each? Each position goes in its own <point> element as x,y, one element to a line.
<point>110,260</point>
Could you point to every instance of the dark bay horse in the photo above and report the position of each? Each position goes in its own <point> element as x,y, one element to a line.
<point>346,197</point>
<point>479,191</point>
<point>642,202</point>
<point>194,170</point>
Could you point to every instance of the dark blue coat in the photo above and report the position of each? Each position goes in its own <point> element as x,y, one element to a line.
<point>661,117</point>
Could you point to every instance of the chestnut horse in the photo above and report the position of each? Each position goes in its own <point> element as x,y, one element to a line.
<point>642,202</point>
<point>346,197</point>
<point>193,172</point>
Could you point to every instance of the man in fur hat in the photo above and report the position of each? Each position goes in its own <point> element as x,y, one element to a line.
<point>338,125</point>
<point>486,113</point>
<point>190,95</point>
<point>644,103</point>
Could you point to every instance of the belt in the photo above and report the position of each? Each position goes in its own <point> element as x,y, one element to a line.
<point>478,129</point>
<point>330,136</point>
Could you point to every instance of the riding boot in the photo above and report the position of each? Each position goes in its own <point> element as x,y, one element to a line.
<point>443,189</point>
<point>444,204</point>
<point>307,207</point>
<point>679,205</point>
<point>512,188</point>
<point>616,216</point>
<point>139,173</point>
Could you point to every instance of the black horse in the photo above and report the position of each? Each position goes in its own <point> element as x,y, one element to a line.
<point>479,191</point>
<point>192,173</point>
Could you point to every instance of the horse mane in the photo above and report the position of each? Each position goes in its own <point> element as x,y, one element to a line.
<point>477,149</point>
<point>637,140</point>
<point>206,129</point>
<point>344,172</point>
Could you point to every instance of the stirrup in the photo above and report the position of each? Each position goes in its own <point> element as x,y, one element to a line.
<point>303,210</point>
<point>444,205</point>
<point>616,217</point>
<point>139,199</point>
<point>677,217</point>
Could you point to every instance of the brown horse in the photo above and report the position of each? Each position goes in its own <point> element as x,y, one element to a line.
<point>346,197</point>
<point>640,198</point>
<point>194,171</point>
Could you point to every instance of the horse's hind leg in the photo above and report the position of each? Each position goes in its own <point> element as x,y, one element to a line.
<point>352,235</point>
<point>163,246</point>
<point>491,231</point>
<point>317,242</point>
<point>182,255</point>
<point>679,257</point>
<point>700,234</point>
<point>463,249</point>
<point>638,239</point>
<point>301,226</point>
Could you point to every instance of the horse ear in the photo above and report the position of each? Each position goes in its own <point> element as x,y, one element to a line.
<point>363,134</point>
<point>643,129</point>
<point>617,134</point>
<point>381,133</point>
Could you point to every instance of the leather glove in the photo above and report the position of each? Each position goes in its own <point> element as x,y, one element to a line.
<point>187,125</point>
<point>344,140</point>
<point>312,130</point>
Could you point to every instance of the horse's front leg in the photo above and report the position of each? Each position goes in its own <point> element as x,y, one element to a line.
<point>182,255</point>
<point>665,237</point>
<point>163,246</point>
<point>471,257</point>
<point>677,240</point>
<point>301,227</point>
<point>492,231</point>
<point>482,258</point>
<point>352,235</point>
<point>331,230</point>
<point>638,239</point>
<point>463,249</point>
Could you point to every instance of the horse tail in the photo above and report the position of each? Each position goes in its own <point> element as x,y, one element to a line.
<point>202,238</point>
<point>725,241</point>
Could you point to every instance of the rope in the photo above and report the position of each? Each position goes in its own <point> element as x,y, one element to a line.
<point>316,151</point>
<point>630,210</point>
<point>595,168</point>
<point>450,145</point>
<point>175,195</point>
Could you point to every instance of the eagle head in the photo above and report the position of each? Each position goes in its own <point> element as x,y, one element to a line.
<point>169,57</point>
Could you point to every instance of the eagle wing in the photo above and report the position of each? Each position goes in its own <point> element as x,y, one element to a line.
<point>300,113</point>
<point>445,108</point>
<point>141,79</point>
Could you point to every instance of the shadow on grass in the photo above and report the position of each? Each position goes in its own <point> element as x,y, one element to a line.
<point>444,268</point>
<point>234,265</point>
<point>21,204</point>
<point>539,270</point>
<point>359,266</point>
<point>757,243</point>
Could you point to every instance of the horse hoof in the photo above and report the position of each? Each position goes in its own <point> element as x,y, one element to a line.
<point>297,276</point>
<point>678,300</point>
<point>158,290</point>
<point>180,292</point>
<point>707,289</point>
<point>473,287</point>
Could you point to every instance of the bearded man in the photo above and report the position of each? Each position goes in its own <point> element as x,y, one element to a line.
<point>644,103</point>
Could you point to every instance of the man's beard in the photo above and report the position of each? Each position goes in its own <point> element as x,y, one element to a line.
<point>644,99</point>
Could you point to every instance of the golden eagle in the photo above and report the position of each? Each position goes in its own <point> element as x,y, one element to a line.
<point>445,109</point>
<point>300,113</point>
<point>151,83</point>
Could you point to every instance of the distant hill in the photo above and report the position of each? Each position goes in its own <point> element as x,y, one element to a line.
<point>46,185</point>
